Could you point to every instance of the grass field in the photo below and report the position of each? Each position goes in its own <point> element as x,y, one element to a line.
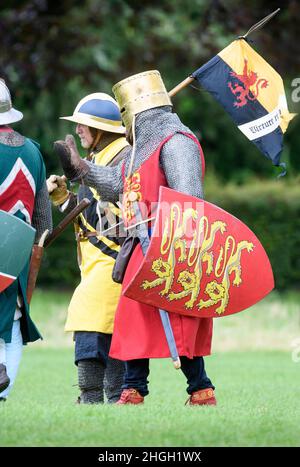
<point>257,383</point>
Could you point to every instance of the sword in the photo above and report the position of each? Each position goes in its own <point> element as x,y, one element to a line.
<point>142,230</point>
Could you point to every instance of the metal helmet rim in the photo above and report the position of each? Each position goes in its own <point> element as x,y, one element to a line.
<point>98,110</point>
<point>7,113</point>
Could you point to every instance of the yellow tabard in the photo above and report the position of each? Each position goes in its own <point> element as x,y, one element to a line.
<point>94,302</point>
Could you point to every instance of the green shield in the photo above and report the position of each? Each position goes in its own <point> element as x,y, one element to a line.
<point>16,241</point>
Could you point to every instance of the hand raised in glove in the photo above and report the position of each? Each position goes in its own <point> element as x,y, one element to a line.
<point>73,166</point>
<point>57,189</point>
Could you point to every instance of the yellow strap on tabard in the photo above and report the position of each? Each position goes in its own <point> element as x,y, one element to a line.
<point>103,158</point>
<point>107,154</point>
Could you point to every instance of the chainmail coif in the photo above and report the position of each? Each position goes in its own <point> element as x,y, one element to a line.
<point>179,157</point>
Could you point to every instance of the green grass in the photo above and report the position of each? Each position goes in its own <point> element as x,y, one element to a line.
<point>257,405</point>
<point>257,386</point>
<point>273,323</point>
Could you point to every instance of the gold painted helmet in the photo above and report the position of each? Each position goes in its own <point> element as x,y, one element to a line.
<point>140,92</point>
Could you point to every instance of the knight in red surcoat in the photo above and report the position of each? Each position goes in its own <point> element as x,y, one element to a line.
<point>165,153</point>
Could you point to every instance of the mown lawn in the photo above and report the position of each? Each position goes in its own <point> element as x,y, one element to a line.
<point>255,367</point>
<point>257,405</point>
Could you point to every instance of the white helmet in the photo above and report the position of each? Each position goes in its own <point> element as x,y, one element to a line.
<point>98,110</point>
<point>7,113</point>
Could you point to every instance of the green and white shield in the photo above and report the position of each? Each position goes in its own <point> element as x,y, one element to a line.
<point>16,241</point>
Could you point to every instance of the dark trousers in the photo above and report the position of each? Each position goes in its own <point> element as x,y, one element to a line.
<point>91,345</point>
<point>137,372</point>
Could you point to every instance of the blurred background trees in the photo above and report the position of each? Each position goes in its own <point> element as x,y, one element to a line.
<point>54,53</point>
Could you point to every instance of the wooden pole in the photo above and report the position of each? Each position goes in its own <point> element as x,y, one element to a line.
<point>180,86</point>
<point>66,221</point>
<point>253,28</point>
<point>37,251</point>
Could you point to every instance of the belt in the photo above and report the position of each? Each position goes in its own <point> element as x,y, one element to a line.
<point>84,236</point>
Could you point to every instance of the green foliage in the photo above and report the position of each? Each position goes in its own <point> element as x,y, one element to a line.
<point>54,53</point>
<point>272,211</point>
<point>59,267</point>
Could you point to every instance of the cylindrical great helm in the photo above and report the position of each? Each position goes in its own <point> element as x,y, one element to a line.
<point>98,110</point>
<point>140,92</point>
<point>7,113</point>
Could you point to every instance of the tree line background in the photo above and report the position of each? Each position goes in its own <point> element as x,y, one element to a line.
<point>54,53</point>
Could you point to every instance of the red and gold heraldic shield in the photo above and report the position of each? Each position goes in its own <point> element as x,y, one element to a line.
<point>201,261</point>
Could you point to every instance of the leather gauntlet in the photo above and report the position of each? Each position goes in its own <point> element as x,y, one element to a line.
<point>57,189</point>
<point>73,166</point>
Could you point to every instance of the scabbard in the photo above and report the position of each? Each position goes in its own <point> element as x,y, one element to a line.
<point>142,232</point>
<point>35,263</point>
<point>37,250</point>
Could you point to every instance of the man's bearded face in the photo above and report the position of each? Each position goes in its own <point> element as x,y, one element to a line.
<point>86,138</point>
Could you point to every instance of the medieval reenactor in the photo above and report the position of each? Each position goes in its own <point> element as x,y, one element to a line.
<point>92,308</point>
<point>23,193</point>
<point>166,153</point>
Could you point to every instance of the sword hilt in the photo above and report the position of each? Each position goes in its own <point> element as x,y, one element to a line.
<point>177,363</point>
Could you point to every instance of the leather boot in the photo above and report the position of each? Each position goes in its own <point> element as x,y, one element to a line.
<point>4,379</point>
<point>130,396</point>
<point>202,397</point>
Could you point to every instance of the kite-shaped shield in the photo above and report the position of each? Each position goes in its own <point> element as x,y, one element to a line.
<point>202,261</point>
<point>16,243</point>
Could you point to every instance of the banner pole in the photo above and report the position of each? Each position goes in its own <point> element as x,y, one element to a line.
<point>180,86</point>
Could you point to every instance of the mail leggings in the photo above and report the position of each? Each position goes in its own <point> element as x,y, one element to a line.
<point>96,370</point>
<point>137,372</point>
